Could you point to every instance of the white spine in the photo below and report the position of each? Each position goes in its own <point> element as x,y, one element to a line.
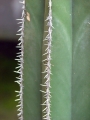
<point>20,60</point>
<point>47,70</point>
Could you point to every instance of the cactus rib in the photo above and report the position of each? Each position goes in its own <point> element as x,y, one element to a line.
<point>20,60</point>
<point>47,64</point>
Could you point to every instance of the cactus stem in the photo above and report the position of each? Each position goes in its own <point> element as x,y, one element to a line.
<point>20,62</point>
<point>47,63</point>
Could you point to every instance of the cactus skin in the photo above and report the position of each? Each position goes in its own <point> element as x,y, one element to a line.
<point>61,60</point>
<point>32,60</point>
<point>69,49</point>
<point>81,60</point>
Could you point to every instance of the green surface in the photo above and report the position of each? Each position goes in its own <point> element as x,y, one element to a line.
<point>61,60</point>
<point>32,60</point>
<point>81,60</point>
<point>70,59</point>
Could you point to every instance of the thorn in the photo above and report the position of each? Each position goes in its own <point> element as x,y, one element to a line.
<point>23,2</point>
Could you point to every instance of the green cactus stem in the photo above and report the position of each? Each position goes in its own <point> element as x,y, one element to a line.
<point>54,60</point>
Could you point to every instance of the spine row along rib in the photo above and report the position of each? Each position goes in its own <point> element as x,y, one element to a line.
<point>19,58</point>
<point>47,64</point>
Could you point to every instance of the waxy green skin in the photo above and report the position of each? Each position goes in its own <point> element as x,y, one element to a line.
<point>81,60</point>
<point>61,60</point>
<point>32,60</point>
<point>70,79</point>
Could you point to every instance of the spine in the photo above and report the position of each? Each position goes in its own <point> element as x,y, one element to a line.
<point>47,64</point>
<point>19,58</point>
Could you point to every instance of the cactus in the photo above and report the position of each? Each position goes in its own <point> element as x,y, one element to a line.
<point>54,60</point>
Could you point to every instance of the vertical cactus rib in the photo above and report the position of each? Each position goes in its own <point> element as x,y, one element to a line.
<point>70,81</point>
<point>46,60</point>
<point>20,60</point>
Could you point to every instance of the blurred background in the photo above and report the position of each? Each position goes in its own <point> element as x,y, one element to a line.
<point>10,10</point>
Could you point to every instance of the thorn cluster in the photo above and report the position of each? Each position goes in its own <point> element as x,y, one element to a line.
<point>19,58</point>
<point>47,64</point>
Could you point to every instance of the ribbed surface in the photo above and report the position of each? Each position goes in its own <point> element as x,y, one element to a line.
<point>70,53</point>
